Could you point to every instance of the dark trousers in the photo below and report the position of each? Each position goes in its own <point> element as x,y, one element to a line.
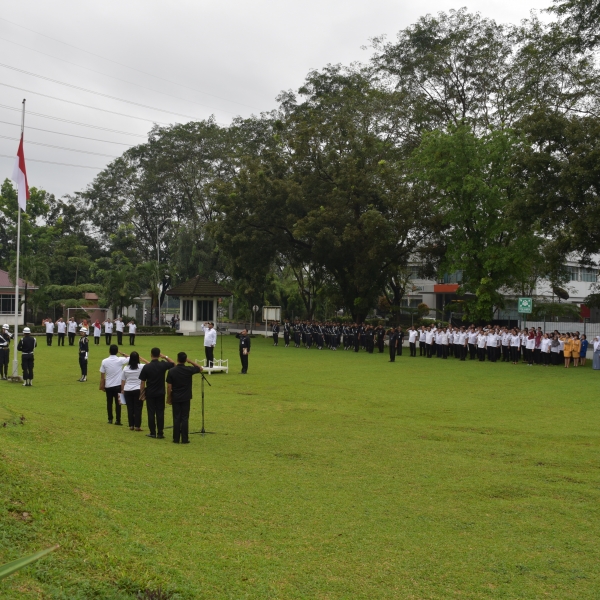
<point>61,339</point>
<point>134,408</point>
<point>209,352</point>
<point>380,345</point>
<point>27,365</point>
<point>458,351</point>
<point>49,339</point>
<point>400,344</point>
<point>472,351</point>
<point>108,338</point>
<point>555,357</point>
<point>4,360</point>
<point>481,354</point>
<point>505,354</point>
<point>71,339</point>
<point>181,419</point>
<point>514,354</point>
<point>112,395</point>
<point>413,348</point>
<point>546,358</point>
<point>83,365</point>
<point>156,414</point>
<point>96,340</point>
<point>392,353</point>
<point>429,350</point>
<point>537,356</point>
<point>422,351</point>
<point>132,339</point>
<point>244,361</point>
<point>276,339</point>
<point>286,338</point>
<point>120,338</point>
<point>444,351</point>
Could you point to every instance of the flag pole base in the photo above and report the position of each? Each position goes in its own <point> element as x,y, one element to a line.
<point>17,379</point>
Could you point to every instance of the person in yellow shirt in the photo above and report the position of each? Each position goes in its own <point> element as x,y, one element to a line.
<point>568,349</point>
<point>576,350</point>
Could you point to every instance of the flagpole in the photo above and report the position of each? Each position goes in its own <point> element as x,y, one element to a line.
<point>15,369</point>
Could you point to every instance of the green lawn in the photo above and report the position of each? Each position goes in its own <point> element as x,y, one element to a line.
<point>329,475</point>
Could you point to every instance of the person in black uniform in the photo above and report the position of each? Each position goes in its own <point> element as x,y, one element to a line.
<point>179,395</point>
<point>5,338</point>
<point>26,346</point>
<point>152,390</point>
<point>380,338</point>
<point>297,334</point>
<point>276,333</point>
<point>393,341</point>
<point>244,350</point>
<point>286,332</point>
<point>309,337</point>
<point>356,337</point>
<point>83,353</point>
<point>370,339</point>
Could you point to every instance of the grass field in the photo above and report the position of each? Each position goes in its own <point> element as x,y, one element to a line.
<point>329,475</point>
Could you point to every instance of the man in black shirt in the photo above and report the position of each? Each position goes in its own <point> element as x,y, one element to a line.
<point>26,346</point>
<point>179,394</point>
<point>244,350</point>
<point>152,390</point>
<point>393,337</point>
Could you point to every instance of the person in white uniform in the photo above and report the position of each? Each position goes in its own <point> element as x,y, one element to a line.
<point>61,328</point>
<point>108,329</point>
<point>49,330</point>
<point>210,341</point>
<point>72,330</point>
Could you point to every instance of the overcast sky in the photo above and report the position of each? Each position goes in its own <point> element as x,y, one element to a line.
<point>191,57</point>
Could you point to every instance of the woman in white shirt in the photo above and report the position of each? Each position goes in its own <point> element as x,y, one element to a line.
<point>130,388</point>
<point>515,346</point>
<point>97,332</point>
<point>545,349</point>
<point>132,329</point>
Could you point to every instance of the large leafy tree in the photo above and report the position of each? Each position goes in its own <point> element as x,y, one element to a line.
<point>473,177</point>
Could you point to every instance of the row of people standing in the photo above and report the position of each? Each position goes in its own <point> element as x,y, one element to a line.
<point>70,327</point>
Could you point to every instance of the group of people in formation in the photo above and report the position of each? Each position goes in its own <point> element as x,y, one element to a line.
<point>106,328</point>
<point>130,380</point>
<point>493,343</point>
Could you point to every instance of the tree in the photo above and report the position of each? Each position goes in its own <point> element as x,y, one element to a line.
<point>473,179</point>
<point>581,18</point>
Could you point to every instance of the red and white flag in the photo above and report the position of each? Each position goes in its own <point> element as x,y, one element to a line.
<point>19,176</point>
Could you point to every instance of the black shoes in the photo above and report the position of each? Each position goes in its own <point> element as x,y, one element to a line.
<point>151,435</point>
<point>160,437</point>
<point>118,423</point>
<point>186,442</point>
<point>110,421</point>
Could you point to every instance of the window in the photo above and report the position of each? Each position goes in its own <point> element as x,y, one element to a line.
<point>7,304</point>
<point>573,273</point>
<point>204,310</point>
<point>455,277</point>
<point>590,275</point>
<point>188,310</point>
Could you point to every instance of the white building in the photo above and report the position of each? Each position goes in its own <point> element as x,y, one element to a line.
<point>198,303</point>
<point>7,299</point>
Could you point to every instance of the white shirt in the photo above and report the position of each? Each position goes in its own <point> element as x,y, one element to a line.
<point>108,327</point>
<point>481,339</point>
<point>412,336</point>
<point>545,345</point>
<point>473,337</point>
<point>505,339</point>
<point>491,339</point>
<point>530,344</point>
<point>210,337</point>
<point>97,331</point>
<point>462,338</point>
<point>131,377</point>
<point>429,337</point>
<point>444,339</point>
<point>62,327</point>
<point>119,325</point>
<point>49,327</point>
<point>112,367</point>
<point>72,327</point>
<point>515,340</point>
<point>422,336</point>
<point>132,328</point>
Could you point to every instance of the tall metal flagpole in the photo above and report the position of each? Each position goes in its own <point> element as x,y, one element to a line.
<point>15,369</point>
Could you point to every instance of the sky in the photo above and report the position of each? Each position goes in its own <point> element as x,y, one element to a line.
<point>153,61</point>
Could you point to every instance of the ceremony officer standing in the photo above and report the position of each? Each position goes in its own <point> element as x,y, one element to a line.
<point>26,346</point>
<point>393,342</point>
<point>286,333</point>
<point>111,371</point>
<point>244,350</point>
<point>49,330</point>
<point>179,395</point>
<point>132,329</point>
<point>152,391</point>
<point>108,329</point>
<point>119,328</point>
<point>83,353</point>
<point>276,333</point>
<point>5,338</point>
<point>72,330</point>
<point>210,341</point>
<point>61,327</point>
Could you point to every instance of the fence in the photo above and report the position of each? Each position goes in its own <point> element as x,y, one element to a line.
<point>591,330</point>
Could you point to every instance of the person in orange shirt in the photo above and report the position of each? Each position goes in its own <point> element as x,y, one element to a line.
<point>568,349</point>
<point>576,350</point>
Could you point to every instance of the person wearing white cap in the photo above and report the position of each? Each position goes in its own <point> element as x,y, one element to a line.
<point>83,353</point>
<point>5,337</point>
<point>26,346</point>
